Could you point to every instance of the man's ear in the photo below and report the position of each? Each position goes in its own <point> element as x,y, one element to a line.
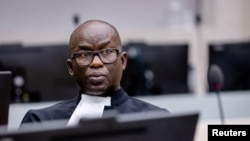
<point>124,60</point>
<point>70,67</point>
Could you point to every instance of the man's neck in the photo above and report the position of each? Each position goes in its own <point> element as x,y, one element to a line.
<point>103,94</point>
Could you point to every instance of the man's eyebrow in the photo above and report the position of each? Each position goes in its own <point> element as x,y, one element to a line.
<point>84,46</point>
<point>105,43</point>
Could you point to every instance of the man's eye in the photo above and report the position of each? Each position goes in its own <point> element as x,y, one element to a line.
<point>108,51</point>
<point>85,54</point>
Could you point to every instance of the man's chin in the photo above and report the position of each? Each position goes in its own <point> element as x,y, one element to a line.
<point>97,91</point>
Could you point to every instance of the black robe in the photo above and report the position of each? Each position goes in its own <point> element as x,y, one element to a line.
<point>120,102</point>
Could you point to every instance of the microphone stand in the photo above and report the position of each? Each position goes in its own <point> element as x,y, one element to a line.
<point>215,78</point>
<point>220,106</point>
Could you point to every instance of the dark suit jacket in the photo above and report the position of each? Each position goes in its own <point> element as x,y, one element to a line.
<point>120,102</point>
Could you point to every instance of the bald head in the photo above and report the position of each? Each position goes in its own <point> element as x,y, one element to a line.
<point>96,29</point>
<point>97,77</point>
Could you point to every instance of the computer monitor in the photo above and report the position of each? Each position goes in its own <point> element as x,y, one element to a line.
<point>150,126</point>
<point>5,92</point>
<point>156,69</point>
<point>234,60</point>
<point>42,71</point>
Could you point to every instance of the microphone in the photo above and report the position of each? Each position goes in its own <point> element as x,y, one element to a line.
<point>215,80</point>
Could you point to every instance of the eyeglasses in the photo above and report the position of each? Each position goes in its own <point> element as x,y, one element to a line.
<point>85,57</point>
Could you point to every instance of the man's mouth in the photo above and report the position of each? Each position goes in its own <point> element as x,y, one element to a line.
<point>96,79</point>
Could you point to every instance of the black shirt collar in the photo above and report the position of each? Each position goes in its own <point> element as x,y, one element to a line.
<point>119,97</point>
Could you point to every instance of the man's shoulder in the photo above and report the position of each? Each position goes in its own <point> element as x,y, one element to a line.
<point>60,110</point>
<point>62,105</point>
<point>143,105</point>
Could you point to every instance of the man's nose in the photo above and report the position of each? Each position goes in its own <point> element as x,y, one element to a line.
<point>96,62</point>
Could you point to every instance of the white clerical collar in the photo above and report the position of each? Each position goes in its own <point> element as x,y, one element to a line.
<point>95,99</point>
<point>89,107</point>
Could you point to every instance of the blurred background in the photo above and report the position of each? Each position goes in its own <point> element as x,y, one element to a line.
<point>170,45</point>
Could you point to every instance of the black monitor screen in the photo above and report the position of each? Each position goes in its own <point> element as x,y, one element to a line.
<point>156,69</point>
<point>39,72</point>
<point>144,126</point>
<point>234,61</point>
<point>5,92</point>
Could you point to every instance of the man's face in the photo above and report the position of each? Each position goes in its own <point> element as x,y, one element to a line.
<point>97,77</point>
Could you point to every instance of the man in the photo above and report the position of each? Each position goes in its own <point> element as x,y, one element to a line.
<point>96,62</point>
